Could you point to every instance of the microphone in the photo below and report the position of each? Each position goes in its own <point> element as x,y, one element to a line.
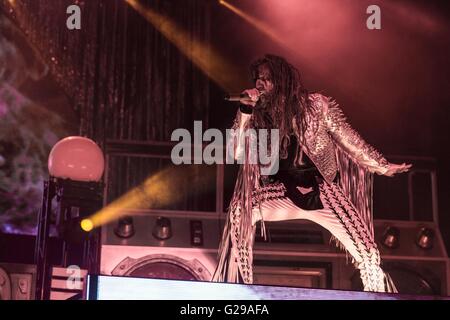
<point>238,97</point>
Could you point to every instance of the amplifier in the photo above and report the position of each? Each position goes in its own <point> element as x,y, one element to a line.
<point>17,281</point>
<point>298,253</point>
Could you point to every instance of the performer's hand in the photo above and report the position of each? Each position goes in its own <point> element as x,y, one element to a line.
<point>397,168</point>
<point>254,95</point>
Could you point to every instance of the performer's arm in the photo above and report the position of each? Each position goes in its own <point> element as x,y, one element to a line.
<point>236,141</point>
<point>351,141</point>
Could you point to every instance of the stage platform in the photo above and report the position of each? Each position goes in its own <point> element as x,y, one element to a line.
<point>127,288</point>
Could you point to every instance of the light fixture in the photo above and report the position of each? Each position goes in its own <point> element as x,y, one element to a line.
<point>391,237</point>
<point>76,158</point>
<point>125,227</point>
<point>74,188</point>
<point>425,238</point>
<point>162,229</point>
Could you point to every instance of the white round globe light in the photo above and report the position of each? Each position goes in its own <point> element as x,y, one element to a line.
<point>76,158</point>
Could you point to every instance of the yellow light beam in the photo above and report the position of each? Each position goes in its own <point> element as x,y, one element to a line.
<point>159,190</point>
<point>261,26</point>
<point>217,68</point>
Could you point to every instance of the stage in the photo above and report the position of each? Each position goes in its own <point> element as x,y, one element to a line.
<point>126,288</point>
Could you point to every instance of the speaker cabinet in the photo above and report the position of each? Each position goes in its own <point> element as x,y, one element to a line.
<point>17,281</point>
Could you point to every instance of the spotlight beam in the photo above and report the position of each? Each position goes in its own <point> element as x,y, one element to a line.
<point>216,67</point>
<point>264,28</point>
<point>158,191</point>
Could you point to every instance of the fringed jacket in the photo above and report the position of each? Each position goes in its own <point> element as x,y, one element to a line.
<point>331,144</point>
<point>327,133</point>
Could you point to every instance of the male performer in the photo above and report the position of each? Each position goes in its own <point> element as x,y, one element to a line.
<point>325,174</point>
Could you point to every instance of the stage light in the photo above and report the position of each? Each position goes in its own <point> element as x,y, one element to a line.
<point>425,238</point>
<point>76,158</point>
<point>157,191</point>
<point>124,228</point>
<point>391,237</point>
<point>87,225</point>
<point>74,188</point>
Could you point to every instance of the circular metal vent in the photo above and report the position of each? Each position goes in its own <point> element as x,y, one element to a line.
<point>162,266</point>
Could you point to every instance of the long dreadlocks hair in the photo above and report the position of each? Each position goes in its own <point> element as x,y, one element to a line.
<point>288,98</point>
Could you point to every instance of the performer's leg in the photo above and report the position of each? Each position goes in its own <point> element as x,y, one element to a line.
<point>368,260</point>
<point>342,220</point>
<point>235,255</point>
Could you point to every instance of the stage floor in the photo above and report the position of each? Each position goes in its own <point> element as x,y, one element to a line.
<point>127,288</point>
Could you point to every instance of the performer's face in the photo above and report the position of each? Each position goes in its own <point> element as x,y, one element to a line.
<point>264,81</point>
